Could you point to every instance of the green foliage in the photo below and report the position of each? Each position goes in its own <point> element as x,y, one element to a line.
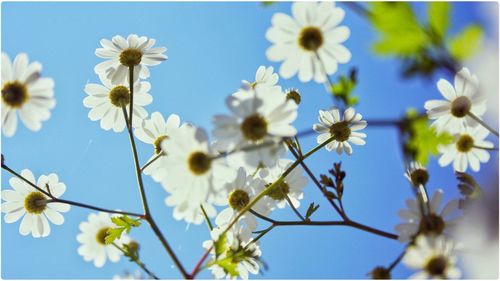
<point>466,43</point>
<point>423,140</point>
<point>267,3</point>
<point>439,18</point>
<point>423,46</point>
<point>123,223</point>
<point>344,87</point>
<point>220,245</point>
<point>312,208</point>
<point>229,266</point>
<point>400,31</point>
<point>131,250</point>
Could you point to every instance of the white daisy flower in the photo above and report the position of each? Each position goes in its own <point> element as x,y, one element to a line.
<point>310,41</point>
<point>469,149</point>
<point>121,53</point>
<point>344,129</point>
<point>291,186</point>
<point>417,174</point>
<point>153,131</point>
<point>438,222</point>
<point>25,91</point>
<point>240,192</point>
<point>106,102</point>
<point>92,239</point>
<point>25,201</point>
<point>434,256</point>
<point>464,98</point>
<point>263,76</point>
<point>199,177</point>
<point>238,251</point>
<point>259,115</point>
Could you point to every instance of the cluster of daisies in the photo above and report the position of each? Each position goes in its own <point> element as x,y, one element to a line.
<point>428,226</point>
<point>247,156</point>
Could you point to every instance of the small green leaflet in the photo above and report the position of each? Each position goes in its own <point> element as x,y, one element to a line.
<point>312,208</point>
<point>123,223</point>
<point>466,43</point>
<point>439,18</point>
<point>220,245</point>
<point>344,87</point>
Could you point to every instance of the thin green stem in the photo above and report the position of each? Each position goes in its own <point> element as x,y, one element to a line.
<point>486,148</point>
<point>136,260</point>
<point>147,212</point>
<point>397,260</point>
<point>131,88</point>
<point>73,203</point>
<point>157,156</point>
<point>207,220</point>
<point>478,120</point>
<point>293,208</point>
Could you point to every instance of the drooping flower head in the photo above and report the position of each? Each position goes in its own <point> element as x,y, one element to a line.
<point>24,201</point>
<point>343,129</point>
<point>463,98</point>
<point>121,53</point>
<point>417,174</point>
<point>24,91</point>
<point>199,175</point>
<point>154,131</point>
<point>310,42</point>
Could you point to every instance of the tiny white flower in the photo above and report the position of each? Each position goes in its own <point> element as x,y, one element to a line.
<point>238,251</point>
<point>199,176</point>
<point>25,201</point>
<point>438,222</point>
<point>312,32</point>
<point>344,129</point>
<point>153,131</point>
<point>92,240</point>
<point>129,276</point>
<point>106,103</point>
<point>121,53</point>
<point>259,115</point>
<point>263,76</point>
<point>468,149</point>
<point>291,186</point>
<point>24,91</point>
<point>434,256</point>
<point>464,97</point>
<point>240,192</point>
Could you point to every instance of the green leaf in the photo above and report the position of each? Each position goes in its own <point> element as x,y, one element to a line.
<point>343,88</point>
<point>466,43</point>
<point>228,266</point>
<point>439,17</point>
<point>424,140</point>
<point>401,33</point>
<point>220,245</point>
<point>124,224</point>
<point>311,210</point>
<point>267,3</point>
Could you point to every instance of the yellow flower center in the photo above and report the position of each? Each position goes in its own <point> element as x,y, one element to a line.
<point>35,203</point>
<point>460,106</point>
<point>341,131</point>
<point>238,199</point>
<point>130,57</point>
<point>254,127</point>
<point>465,143</point>
<point>157,143</point>
<point>199,163</point>
<point>101,235</point>
<point>279,191</point>
<point>419,176</point>
<point>432,224</point>
<point>119,96</point>
<point>436,266</point>
<point>311,38</point>
<point>293,95</point>
<point>14,94</point>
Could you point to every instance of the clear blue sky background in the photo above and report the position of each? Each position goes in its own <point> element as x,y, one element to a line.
<point>211,48</point>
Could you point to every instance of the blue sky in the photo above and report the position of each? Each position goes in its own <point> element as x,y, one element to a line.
<point>211,48</point>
